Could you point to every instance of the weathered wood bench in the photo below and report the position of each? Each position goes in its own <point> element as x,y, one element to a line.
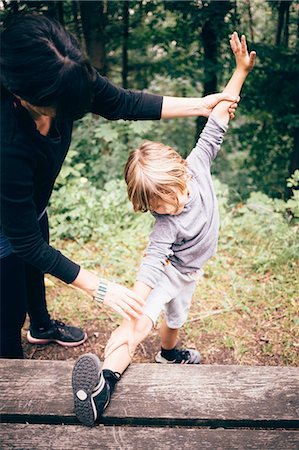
<point>154,407</point>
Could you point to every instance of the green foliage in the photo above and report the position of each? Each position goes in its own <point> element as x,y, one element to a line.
<point>270,225</point>
<point>292,205</point>
<point>100,148</point>
<point>268,153</point>
<point>271,105</point>
<point>293,181</point>
<point>82,212</point>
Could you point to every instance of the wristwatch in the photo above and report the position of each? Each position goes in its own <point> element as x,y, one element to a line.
<point>101,291</point>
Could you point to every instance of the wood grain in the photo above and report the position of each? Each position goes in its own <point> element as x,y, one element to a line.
<point>62,437</point>
<point>190,394</point>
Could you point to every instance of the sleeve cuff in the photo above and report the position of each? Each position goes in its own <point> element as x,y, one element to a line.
<point>216,123</point>
<point>149,276</point>
<point>152,106</point>
<point>66,270</point>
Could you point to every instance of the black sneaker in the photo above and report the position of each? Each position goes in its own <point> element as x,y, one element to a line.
<point>188,356</point>
<point>58,332</point>
<point>90,388</point>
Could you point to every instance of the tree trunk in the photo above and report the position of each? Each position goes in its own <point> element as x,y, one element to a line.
<point>125,68</point>
<point>279,23</point>
<point>59,6</point>
<point>282,38</point>
<point>286,26</point>
<point>210,46</point>
<point>76,19</point>
<point>235,16</point>
<point>52,11</point>
<point>250,21</point>
<point>283,22</point>
<point>93,25</point>
<point>15,6</point>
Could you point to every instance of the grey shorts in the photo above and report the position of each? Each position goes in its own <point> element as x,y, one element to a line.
<point>173,294</point>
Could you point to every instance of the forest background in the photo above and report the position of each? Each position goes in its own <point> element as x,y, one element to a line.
<point>245,309</point>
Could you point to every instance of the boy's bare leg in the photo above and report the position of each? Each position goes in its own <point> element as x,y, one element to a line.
<point>120,353</point>
<point>168,336</point>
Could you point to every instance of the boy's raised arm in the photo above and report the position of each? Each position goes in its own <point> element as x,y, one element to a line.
<point>244,64</point>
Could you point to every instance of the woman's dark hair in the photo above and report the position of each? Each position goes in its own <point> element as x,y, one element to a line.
<point>42,63</point>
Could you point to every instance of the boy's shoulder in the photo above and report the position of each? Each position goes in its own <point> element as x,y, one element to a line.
<point>165,222</point>
<point>162,218</point>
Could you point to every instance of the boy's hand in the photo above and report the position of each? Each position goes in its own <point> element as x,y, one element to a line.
<point>244,60</point>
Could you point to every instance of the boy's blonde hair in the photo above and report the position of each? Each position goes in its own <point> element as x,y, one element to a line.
<point>154,172</point>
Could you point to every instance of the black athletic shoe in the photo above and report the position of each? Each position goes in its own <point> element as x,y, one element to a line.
<point>187,356</point>
<point>90,388</point>
<point>60,333</point>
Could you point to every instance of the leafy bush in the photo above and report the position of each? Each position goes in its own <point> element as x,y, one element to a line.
<point>262,232</point>
<point>83,212</point>
<point>100,148</point>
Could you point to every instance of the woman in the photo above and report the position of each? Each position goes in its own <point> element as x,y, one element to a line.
<point>46,84</point>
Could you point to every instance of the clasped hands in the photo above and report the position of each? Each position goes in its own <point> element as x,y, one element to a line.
<point>125,334</point>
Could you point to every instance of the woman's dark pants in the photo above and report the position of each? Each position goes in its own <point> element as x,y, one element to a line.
<point>22,290</point>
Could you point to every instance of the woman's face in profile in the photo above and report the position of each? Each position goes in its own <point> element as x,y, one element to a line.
<point>37,111</point>
<point>44,110</point>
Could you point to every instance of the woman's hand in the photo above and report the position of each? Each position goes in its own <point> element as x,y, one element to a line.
<point>119,298</point>
<point>130,334</point>
<point>244,60</point>
<point>210,101</point>
<point>123,335</point>
<point>124,301</point>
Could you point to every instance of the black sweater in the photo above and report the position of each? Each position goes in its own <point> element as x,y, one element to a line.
<point>30,163</point>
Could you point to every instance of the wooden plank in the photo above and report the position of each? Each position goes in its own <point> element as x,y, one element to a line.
<point>62,437</point>
<point>191,394</point>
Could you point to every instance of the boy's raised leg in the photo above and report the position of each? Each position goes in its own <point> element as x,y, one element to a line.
<point>94,384</point>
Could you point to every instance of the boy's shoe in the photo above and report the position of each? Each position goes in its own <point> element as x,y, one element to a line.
<point>67,336</point>
<point>90,388</point>
<point>187,356</point>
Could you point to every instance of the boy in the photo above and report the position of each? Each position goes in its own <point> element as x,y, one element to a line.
<point>180,195</point>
